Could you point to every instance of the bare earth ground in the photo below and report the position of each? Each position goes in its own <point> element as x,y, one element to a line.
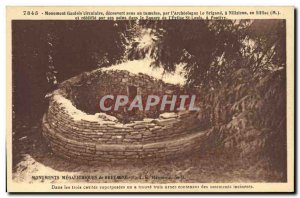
<point>32,157</point>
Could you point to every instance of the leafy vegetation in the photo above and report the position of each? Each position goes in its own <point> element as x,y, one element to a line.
<point>238,68</point>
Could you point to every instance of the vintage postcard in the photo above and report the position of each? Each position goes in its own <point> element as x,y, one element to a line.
<point>150,99</point>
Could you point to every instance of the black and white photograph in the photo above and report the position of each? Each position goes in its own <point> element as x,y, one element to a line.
<point>149,101</point>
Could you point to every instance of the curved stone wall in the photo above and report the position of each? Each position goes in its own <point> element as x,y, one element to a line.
<point>100,137</point>
<point>85,90</point>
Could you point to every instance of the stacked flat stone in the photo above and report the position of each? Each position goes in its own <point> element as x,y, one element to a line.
<point>100,138</point>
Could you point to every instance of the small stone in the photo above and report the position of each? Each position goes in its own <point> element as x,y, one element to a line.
<point>168,115</point>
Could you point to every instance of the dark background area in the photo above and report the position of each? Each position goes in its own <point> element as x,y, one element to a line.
<point>47,52</point>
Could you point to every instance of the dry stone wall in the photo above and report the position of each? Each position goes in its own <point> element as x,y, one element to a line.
<point>86,90</point>
<point>95,138</point>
